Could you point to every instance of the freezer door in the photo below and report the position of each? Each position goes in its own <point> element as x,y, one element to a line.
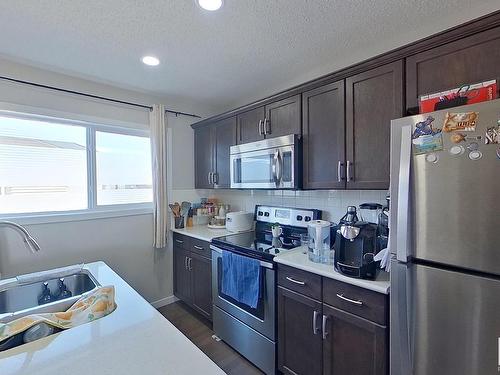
<point>454,323</point>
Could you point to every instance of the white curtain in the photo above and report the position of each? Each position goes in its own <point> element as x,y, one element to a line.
<point>158,126</point>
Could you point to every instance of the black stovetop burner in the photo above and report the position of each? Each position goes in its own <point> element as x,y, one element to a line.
<point>260,243</point>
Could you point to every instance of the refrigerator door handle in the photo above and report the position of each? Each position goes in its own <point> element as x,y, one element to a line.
<point>402,232</point>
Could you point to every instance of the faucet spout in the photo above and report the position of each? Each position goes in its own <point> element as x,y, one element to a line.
<point>33,246</point>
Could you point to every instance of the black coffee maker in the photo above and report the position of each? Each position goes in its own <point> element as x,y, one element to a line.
<point>355,246</point>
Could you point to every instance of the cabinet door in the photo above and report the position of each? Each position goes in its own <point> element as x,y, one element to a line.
<point>225,137</point>
<point>203,157</point>
<point>182,276</point>
<point>373,99</point>
<point>468,60</point>
<point>299,347</point>
<point>283,117</point>
<point>353,345</point>
<point>248,125</point>
<point>323,128</point>
<point>201,281</point>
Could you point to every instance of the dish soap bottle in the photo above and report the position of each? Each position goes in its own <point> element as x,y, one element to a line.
<point>63,290</point>
<point>45,297</point>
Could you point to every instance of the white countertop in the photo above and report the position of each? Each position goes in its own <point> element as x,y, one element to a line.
<point>296,258</point>
<point>134,339</point>
<point>202,232</point>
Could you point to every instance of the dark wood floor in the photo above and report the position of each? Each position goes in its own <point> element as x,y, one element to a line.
<point>200,333</point>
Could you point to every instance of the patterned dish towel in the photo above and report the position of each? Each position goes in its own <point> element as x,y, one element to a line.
<point>96,305</point>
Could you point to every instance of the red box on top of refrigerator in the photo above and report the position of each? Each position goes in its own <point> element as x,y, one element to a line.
<point>466,94</point>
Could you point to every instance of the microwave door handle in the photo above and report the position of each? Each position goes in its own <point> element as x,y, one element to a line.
<point>279,163</point>
<point>274,167</point>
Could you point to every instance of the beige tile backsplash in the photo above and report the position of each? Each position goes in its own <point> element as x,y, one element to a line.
<point>333,203</point>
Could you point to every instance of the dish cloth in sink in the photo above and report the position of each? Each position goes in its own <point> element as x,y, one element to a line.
<point>98,304</point>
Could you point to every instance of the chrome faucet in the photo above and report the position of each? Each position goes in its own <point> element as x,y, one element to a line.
<point>28,239</point>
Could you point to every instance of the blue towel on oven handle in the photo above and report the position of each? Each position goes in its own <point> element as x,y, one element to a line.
<point>241,278</point>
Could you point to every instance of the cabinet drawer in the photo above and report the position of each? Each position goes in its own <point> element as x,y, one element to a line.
<point>181,241</point>
<point>200,247</point>
<point>359,301</point>
<point>303,282</point>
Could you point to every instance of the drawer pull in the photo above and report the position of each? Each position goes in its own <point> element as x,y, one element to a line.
<point>198,247</point>
<point>296,281</point>
<point>341,296</point>
<point>179,241</point>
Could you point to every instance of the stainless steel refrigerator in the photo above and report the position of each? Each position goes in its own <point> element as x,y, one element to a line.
<point>445,242</point>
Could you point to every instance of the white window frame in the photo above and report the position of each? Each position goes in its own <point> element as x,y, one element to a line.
<point>93,211</point>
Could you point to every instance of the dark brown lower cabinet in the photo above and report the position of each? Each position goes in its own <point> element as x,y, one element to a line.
<point>300,345</point>
<point>201,271</point>
<point>315,338</point>
<point>193,274</point>
<point>182,276</point>
<point>353,345</point>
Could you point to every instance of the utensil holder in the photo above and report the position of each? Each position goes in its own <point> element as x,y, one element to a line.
<point>179,222</point>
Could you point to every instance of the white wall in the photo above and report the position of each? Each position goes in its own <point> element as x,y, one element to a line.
<point>123,242</point>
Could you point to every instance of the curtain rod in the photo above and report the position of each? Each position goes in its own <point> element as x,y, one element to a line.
<point>177,113</point>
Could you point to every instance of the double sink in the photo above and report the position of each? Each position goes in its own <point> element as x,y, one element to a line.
<point>19,299</point>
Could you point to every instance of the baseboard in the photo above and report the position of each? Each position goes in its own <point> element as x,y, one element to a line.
<point>164,301</point>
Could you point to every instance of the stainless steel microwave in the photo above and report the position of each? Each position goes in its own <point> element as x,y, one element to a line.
<point>268,164</point>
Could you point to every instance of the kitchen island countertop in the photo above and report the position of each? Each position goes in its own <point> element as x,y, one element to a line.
<point>134,339</point>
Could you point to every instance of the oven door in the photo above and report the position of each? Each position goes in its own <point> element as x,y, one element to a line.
<point>262,318</point>
<point>272,168</point>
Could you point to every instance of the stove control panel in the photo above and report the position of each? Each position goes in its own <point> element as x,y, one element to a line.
<point>298,217</point>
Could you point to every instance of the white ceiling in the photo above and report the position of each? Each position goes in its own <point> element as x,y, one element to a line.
<point>245,51</point>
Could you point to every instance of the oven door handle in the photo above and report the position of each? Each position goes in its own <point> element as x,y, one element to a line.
<point>262,263</point>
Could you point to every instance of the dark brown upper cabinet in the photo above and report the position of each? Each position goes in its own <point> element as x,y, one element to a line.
<point>373,99</point>
<point>469,60</point>
<point>273,120</point>
<point>250,125</point>
<point>203,157</point>
<point>212,143</point>
<point>224,138</point>
<point>283,117</point>
<point>323,129</point>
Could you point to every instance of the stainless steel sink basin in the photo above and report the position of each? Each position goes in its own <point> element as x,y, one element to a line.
<point>18,300</point>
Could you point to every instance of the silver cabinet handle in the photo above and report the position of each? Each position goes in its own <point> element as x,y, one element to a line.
<point>315,322</point>
<point>341,296</point>
<point>198,247</point>
<point>179,241</point>
<point>210,178</point>
<point>267,130</point>
<point>189,264</point>
<point>296,281</point>
<point>261,129</point>
<point>186,263</point>
<point>215,178</point>
<point>348,171</point>
<point>323,327</point>
<point>339,171</point>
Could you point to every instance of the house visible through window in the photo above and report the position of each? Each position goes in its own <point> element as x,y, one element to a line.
<point>54,166</point>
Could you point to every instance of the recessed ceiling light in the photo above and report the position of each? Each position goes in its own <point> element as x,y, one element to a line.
<point>150,60</point>
<point>210,4</point>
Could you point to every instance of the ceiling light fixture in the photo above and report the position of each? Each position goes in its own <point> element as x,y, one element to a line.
<point>210,4</point>
<point>150,60</point>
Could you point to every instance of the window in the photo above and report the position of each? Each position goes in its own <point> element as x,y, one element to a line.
<point>123,166</point>
<point>57,166</point>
